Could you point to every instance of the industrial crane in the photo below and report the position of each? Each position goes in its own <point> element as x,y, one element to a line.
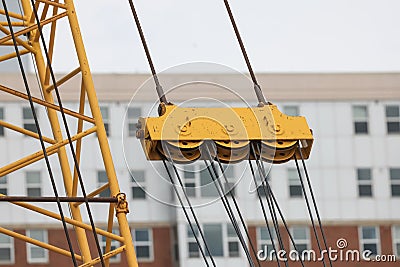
<point>178,136</point>
<point>32,31</point>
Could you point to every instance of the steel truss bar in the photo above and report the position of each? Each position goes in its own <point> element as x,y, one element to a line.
<point>52,3</point>
<point>40,154</point>
<point>64,79</point>
<point>65,123</point>
<point>62,199</point>
<point>79,144</point>
<point>13,55</point>
<point>45,103</point>
<point>13,15</point>
<point>110,224</point>
<point>49,169</point>
<point>34,20</point>
<point>25,132</point>
<point>68,220</point>
<point>18,40</point>
<point>33,27</point>
<point>13,23</point>
<point>94,193</point>
<point>105,256</point>
<point>38,243</point>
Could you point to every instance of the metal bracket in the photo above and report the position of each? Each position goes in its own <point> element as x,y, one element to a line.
<point>122,204</point>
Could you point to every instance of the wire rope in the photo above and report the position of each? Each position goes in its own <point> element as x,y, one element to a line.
<point>270,195</point>
<point>264,213</point>
<point>186,213</point>
<point>257,87</point>
<point>159,88</point>
<point>220,189</point>
<point>232,195</point>
<point>314,202</point>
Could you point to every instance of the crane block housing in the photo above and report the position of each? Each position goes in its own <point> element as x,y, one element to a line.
<point>238,133</point>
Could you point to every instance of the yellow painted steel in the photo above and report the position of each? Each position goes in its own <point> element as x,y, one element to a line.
<point>238,133</point>
<point>29,41</point>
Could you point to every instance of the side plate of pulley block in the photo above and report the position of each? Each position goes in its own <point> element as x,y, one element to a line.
<point>238,133</point>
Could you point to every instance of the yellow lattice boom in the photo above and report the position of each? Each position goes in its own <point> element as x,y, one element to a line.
<point>27,37</point>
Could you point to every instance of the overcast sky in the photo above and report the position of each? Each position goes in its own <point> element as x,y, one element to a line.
<point>280,36</point>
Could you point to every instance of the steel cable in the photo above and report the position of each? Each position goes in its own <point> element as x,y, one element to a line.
<point>270,204</point>
<point>225,202</point>
<point>239,212</point>
<point>257,88</point>
<point>308,207</point>
<point>190,206</point>
<point>264,212</point>
<point>185,212</point>
<point>271,196</point>
<point>314,202</point>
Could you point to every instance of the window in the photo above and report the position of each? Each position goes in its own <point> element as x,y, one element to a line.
<point>291,110</point>
<point>133,116</point>
<point>190,180</point>
<point>295,189</point>
<point>138,184</point>
<point>396,240</point>
<point>198,181</point>
<point>28,120</point>
<point>6,249</point>
<point>208,188</point>
<point>33,184</point>
<point>264,240</point>
<point>369,239</point>
<point>193,248</point>
<point>364,178</point>
<point>3,185</point>
<point>393,119</point>
<point>102,179</point>
<point>395,181</point>
<point>233,242</point>
<point>213,237</point>
<point>262,188</point>
<point>1,118</point>
<point>114,244</point>
<point>360,118</point>
<point>37,254</point>
<point>143,241</point>
<point>216,235</point>
<point>106,117</point>
<point>229,172</point>
<point>301,237</point>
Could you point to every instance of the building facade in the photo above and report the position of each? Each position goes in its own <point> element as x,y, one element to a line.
<point>354,168</point>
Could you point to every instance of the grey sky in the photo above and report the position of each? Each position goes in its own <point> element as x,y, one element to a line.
<point>280,36</point>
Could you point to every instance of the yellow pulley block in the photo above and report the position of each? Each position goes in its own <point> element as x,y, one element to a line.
<point>238,133</point>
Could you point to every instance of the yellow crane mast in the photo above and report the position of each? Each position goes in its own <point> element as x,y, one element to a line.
<point>33,31</point>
